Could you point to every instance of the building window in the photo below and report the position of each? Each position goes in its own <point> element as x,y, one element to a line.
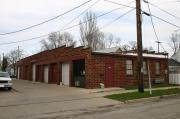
<point>129,67</point>
<point>157,68</point>
<point>145,68</point>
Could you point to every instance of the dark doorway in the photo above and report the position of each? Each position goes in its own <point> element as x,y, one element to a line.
<point>109,74</point>
<point>79,73</point>
<point>39,73</point>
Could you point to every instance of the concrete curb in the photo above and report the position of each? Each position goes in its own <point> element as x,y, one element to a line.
<point>151,98</point>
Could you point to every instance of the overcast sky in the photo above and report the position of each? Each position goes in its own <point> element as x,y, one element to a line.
<point>19,14</point>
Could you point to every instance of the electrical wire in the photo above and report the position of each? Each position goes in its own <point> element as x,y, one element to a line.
<point>38,37</point>
<point>80,14</point>
<point>145,13</point>
<point>153,25</point>
<point>62,14</point>
<point>178,18</point>
<point>117,18</point>
<point>166,21</point>
<point>119,4</point>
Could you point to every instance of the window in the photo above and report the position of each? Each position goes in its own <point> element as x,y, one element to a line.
<point>145,67</point>
<point>157,68</point>
<point>129,67</point>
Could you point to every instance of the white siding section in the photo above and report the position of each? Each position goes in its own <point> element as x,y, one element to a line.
<point>176,56</point>
<point>46,74</point>
<point>34,72</point>
<point>65,73</point>
<point>174,78</point>
<point>18,73</point>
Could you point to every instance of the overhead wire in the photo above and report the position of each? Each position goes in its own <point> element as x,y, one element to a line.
<point>178,18</point>
<point>38,37</point>
<point>118,18</point>
<point>145,13</point>
<point>51,19</point>
<point>80,14</point>
<point>153,25</point>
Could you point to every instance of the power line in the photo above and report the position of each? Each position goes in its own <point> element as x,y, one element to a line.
<point>81,14</point>
<point>145,13</point>
<point>163,10</point>
<point>27,28</point>
<point>117,18</point>
<point>153,25</point>
<point>6,43</point>
<point>119,4</point>
<point>165,21</point>
<point>77,16</point>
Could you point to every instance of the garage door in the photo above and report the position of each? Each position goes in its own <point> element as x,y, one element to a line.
<point>18,72</point>
<point>46,74</point>
<point>65,73</point>
<point>34,72</point>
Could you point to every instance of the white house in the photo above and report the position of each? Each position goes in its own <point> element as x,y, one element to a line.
<point>174,68</point>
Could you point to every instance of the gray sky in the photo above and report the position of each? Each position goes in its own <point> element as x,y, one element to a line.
<point>19,14</point>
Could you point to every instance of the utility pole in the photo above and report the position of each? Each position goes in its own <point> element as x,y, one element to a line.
<point>139,47</point>
<point>158,42</point>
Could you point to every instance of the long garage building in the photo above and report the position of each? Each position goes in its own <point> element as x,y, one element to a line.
<point>82,67</point>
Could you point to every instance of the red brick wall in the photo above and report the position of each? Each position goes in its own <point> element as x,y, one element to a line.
<point>95,67</point>
<point>54,58</point>
<point>96,70</point>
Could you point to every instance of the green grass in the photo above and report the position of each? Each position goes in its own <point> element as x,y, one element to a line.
<point>137,95</point>
<point>153,86</point>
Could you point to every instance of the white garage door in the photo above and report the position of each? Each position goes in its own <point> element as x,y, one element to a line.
<point>18,73</point>
<point>34,72</point>
<point>65,73</point>
<point>46,74</point>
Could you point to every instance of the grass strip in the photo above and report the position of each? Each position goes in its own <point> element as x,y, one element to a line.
<point>137,95</point>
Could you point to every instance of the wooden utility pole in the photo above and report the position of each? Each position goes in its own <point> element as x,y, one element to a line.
<point>139,47</point>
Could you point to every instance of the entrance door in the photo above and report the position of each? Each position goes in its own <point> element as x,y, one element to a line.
<point>109,74</point>
<point>65,74</point>
<point>34,72</point>
<point>46,74</point>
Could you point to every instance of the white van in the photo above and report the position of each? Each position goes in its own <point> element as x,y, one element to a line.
<point>5,80</point>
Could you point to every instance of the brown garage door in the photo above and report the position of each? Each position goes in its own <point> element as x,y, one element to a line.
<point>54,74</point>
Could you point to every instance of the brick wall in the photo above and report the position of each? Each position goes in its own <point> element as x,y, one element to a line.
<point>95,67</point>
<point>97,72</point>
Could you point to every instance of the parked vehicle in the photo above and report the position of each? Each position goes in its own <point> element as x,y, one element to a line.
<point>5,80</point>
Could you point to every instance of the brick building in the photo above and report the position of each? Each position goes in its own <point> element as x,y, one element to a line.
<point>87,69</point>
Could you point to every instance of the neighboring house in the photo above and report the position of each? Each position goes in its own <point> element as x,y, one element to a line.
<point>174,66</point>
<point>85,68</point>
<point>176,56</point>
<point>174,69</point>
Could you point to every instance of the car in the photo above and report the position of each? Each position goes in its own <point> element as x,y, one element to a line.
<point>5,80</point>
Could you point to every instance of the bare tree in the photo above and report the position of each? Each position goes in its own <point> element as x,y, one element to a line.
<point>125,47</point>
<point>56,40</point>
<point>4,64</point>
<point>175,42</point>
<point>133,45</point>
<point>90,35</point>
<point>112,41</point>
<point>13,56</point>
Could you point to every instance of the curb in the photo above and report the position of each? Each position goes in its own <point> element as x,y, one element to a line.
<point>150,98</point>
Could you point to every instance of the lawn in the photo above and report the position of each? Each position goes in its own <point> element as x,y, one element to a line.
<point>153,86</point>
<point>137,95</point>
